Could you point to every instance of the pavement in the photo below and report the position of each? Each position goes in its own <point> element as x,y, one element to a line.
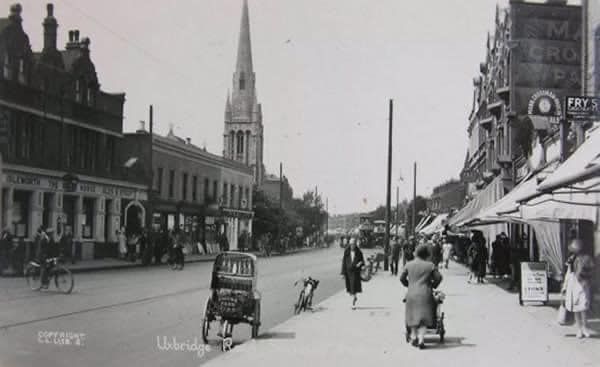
<point>122,317</point>
<point>485,325</point>
<point>114,264</point>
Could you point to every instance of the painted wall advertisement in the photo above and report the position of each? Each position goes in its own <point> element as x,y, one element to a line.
<point>546,53</point>
<point>534,282</point>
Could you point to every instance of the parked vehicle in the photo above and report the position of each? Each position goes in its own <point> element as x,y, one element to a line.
<point>63,278</point>
<point>306,294</point>
<point>233,296</point>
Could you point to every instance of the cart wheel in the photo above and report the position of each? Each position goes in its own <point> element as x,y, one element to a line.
<point>256,321</point>
<point>206,320</point>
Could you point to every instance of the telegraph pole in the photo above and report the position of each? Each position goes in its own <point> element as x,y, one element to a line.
<point>388,211</point>
<point>397,210</point>
<point>414,208</point>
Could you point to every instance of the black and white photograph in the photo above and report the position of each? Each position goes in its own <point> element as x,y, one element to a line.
<point>229,183</point>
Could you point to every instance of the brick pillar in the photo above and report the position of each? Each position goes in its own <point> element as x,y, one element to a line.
<point>8,202</point>
<point>99,213</point>
<point>114,219</point>
<point>36,209</point>
<point>79,218</point>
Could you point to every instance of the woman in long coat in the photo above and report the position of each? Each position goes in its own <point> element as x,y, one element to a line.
<point>352,262</point>
<point>577,286</point>
<point>421,277</point>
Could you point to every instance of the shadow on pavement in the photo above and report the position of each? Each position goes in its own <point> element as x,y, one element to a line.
<point>277,335</point>
<point>449,342</point>
<point>319,309</point>
<point>371,308</point>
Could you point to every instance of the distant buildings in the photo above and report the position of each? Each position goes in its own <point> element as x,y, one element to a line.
<point>69,165</point>
<point>447,197</point>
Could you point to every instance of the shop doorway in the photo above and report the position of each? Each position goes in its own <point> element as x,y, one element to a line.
<point>133,221</point>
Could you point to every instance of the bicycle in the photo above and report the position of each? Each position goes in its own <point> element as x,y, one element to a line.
<point>306,295</point>
<point>63,278</point>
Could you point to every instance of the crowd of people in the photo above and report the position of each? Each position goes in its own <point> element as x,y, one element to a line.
<point>424,258</point>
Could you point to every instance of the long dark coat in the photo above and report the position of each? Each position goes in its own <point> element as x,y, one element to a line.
<point>351,270</point>
<point>421,277</point>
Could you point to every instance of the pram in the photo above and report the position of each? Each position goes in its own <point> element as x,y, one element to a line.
<point>438,327</point>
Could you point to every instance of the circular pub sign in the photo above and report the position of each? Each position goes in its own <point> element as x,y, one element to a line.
<point>544,103</point>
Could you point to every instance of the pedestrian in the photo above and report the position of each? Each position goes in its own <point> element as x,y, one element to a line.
<point>66,244</point>
<point>396,249</point>
<point>478,256</point>
<point>122,239</point>
<point>420,276</point>
<point>352,262</point>
<point>446,251</point>
<point>436,252</point>
<point>577,286</point>
<point>409,249</point>
<point>496,256</point>
<point>5,248</point>
<point>504,255</point>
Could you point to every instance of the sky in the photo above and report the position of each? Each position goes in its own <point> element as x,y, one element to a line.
<point>325,72</point>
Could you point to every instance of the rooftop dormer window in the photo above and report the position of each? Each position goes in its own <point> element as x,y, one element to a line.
<point>77,91</point>
<point>22,71</point>
<point>6,69</point>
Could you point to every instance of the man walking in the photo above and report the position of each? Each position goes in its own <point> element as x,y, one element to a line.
<point>395,256</point>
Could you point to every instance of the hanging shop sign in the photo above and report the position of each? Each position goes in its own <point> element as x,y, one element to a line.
<point>582,108</point>
<point>545,103</point>
<point>534,282</point>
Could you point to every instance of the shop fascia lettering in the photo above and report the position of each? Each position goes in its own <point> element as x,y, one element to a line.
<point>58,185</point>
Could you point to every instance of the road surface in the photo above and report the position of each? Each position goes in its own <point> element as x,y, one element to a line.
<point>122,317</point>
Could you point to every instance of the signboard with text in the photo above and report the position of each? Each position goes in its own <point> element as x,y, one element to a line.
<point>534,282</point>
<point>547,52</point>
<point>582,108</point>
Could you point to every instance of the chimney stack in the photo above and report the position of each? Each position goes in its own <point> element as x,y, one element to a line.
<point>188,141</point>
<point>73,40</point>
<point>50,27</point>
<point>15,13</point>
<point>142,127</point>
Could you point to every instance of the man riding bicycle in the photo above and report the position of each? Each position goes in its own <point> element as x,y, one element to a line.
<point>46,249</point>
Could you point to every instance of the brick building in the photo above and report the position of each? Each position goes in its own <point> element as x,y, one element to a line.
<point>63,166</point>
<point>446,197</point>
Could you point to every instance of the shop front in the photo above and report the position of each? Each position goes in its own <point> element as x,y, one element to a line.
<point>87,207</point>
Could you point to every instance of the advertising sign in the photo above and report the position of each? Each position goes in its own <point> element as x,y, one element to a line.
<point>546,56</point>
<point>534,282</point>
<point>582,108</point>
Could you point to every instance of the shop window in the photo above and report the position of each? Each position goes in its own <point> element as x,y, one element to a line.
<point>69,212</point>
<point>109,153</point>
<point>171,183</point>
<point>87,227</point>
<point>21,204</point>
<point>195,188</point>
<point>184,186</point>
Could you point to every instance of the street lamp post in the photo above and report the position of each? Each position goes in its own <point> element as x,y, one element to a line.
<point>388,213</point>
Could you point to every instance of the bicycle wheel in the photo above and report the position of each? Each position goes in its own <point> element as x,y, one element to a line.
<point>32,274</point>
<point>298,305</point>
<point>63,279</point>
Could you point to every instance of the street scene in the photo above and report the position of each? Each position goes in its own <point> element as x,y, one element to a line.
<point>246,182</point>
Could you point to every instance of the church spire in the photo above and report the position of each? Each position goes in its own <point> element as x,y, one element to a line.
<point>244,56</point>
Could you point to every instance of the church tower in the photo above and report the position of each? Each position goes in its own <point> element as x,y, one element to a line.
<point>243,135</point>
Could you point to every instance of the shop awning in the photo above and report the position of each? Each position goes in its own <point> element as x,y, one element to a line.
<point>507,208</point>
<point>583,164</point>
<point>435,226</point>
<point>486,197</point>
<point>423,223</point>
